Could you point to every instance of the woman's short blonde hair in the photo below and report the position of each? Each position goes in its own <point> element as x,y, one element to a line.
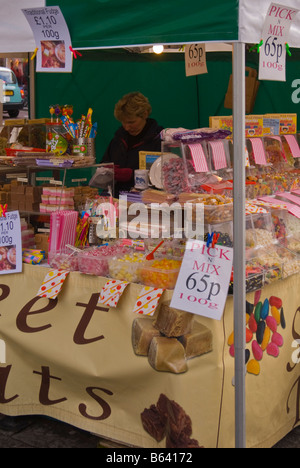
<point>132,105</point>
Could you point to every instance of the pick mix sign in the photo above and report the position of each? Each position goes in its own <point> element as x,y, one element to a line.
<point>275,37</point>
<point>203,280</point>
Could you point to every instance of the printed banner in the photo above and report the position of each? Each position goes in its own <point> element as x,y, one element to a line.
<point>147,300</point>
<point>74,360</point>
<point>52,284</point>
<point>111,292</point>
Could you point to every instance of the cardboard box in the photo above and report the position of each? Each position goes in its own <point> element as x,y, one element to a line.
<point>34,193</point>
<point>253,125</point>
<point>287,123</point>
<point>147,158</point>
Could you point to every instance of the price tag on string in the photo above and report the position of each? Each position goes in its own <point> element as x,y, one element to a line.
<point>275,36</point>
<point>10,242</point>
<point>203,280</point>
<point>52,39</point>
<point>195,59</point>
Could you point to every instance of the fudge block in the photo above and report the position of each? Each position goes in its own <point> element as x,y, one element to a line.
<point>167,355</point>
<point>198,342</point>
<point>173,322</point>
<point>142,334</point>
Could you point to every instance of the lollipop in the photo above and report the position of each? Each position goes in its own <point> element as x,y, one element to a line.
<point>57,112</point>
<point>51,110</point>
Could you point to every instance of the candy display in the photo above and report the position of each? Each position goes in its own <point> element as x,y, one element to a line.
<point>63,261</point>
<point>94,260</point>
<point>125,268</point>
<point>254,278</point>
<point>263,319</point>
<point>174,176</point>
<point>160,273</point>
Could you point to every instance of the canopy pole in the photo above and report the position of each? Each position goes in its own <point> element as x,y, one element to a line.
<point>239,222</point>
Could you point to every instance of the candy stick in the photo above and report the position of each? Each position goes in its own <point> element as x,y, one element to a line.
<point>83,119</point>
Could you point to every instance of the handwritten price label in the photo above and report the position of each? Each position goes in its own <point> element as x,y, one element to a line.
<point>195,59</point>
<point>203,281</point>
<point>272,57</point>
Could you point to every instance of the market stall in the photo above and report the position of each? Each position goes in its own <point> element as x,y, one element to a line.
<point>218,364</point>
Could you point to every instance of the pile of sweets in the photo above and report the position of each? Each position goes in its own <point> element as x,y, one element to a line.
<point>125,268</point>
<point>27,235</point>
<point>54,198</point>
<point>94,261</point>
<point>160,273</point>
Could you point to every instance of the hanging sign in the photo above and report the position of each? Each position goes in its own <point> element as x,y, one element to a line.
<point>52,39</point>
<point>10,242</point>
<point>275,36</point>
<point>195,59</point>
<point>203,280</point>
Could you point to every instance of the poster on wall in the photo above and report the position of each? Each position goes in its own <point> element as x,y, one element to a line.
<point>52,39</point>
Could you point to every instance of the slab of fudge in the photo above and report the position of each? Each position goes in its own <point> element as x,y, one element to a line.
<point>142,333</point>
<point>173,322</point>
<point>198,342</point>
<point>167,355</point>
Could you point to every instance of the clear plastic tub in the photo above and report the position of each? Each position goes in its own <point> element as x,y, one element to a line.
<point>63,261</point>
<point>215,214</point>
<point>126,268</point>
<point>254,278</point>
<point>94,261</point>
<point>160,273</point>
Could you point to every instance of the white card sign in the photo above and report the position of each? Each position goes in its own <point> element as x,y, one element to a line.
<point>275,36</point>
<point>10,243</point>
<point>203,280</point>
<point>52,39</point>
<point>195,59</point>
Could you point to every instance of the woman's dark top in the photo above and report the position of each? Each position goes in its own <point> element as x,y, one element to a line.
<point>124,149</point>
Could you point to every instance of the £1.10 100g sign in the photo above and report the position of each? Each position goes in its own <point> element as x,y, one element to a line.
<point>203,280</point>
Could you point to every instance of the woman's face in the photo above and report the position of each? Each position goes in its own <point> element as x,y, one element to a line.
<point>134,125</point>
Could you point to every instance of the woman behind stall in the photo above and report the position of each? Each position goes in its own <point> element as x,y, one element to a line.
<point>138,133</point>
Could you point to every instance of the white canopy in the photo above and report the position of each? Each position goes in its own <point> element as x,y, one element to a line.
<point>16,35</point>
<point>252,16</point>
<point>15,32</point>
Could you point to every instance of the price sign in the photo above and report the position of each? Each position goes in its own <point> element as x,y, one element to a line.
<point>195,59</point>
<point>203,280</point>
<point>10,243</point>
<point>52,39</point>
<point>272,57</point>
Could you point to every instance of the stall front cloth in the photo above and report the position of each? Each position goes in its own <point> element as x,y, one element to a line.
<point>72,359</point>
